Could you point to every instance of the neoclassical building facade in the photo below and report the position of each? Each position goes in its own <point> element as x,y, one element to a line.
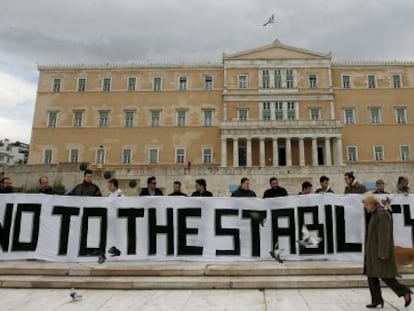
<point>271,106</point>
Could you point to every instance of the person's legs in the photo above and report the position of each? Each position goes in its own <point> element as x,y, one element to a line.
<point>375,290</point>
<point>400,289</point>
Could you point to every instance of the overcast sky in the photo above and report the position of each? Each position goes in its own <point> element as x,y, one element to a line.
<point>122,31</point>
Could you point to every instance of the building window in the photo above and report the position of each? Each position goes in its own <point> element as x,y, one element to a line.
<point>126,156</point>
<point>103,118</point>
<point>378,153</point>
<point>207,155</point>
<point>180,155</point>
<point>313,81</point>
<point>181,117</point>
<point>208,83</point>
<point>265,79</point>
<point>349,117</point>
<point>405,153</point>
<point>153,156</point>
<point>56,85</point>
<point>157,84</point>
<point>47,158</point>
<point>375,115</point>
<point>243,114</point>
<point>182,83</point>
<point>129,118</point>
<point>401,115</point>
<point>106,87</point>
<point>352,154</point>
<point>289,79</point>
<point>266,111</point>
<point>279,111</point>
<point>74,156</point>
<point>372,83</point>
<point>207,117</point>
<point>291,111</point>
<point>243,82</point>
<point>396,81</point>
<point>315,114</point>
<point>132,84</point>
<point>155,118</point>
<point>77,118</point>
<point>100,156</point>
<point>278,79</point>
<point>346,82</point>
<point>81,85</point>
<point>52,118</point>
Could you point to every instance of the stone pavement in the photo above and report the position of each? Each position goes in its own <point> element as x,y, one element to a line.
<point>195,300</point>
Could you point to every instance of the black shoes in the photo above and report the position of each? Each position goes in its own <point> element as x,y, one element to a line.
<point>407,299</point>
<point>375,305</point>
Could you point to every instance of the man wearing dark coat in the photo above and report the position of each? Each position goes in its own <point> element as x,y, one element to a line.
<point>352,185</point>
<point>86,188</point>
<point>275,190</point>
<point>6,185</point>
<point>244,190</point>
<point>177,189</point>
<point>151,188</point>
<point>201,189</point>
<point>44,186</point>
<point>379,254</point>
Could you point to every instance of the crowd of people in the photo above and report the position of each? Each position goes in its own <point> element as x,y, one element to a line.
<point>379,257</point>
<point>88,188</point>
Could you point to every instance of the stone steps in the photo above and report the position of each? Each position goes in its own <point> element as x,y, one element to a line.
<point>186,275</point>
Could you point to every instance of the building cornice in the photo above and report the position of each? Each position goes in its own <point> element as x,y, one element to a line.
<point>208,65</point>
<point>372,63</point>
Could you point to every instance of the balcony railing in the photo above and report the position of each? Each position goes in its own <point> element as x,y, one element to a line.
<point>281,124</point>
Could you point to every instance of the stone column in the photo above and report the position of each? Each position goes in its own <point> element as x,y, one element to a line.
<point>328,158</point>
<point>301,151</point>
<point>262,152</point>
<point>235,152</point>
<point>288,152</point>
<point>249,152</point>
<point>314,152</point>
<point>275,152</point>
<point>223,152</point>
<point>339,159</point>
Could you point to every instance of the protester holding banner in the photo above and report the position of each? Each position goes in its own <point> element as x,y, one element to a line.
<point>379,254</point>
<point>151,188</point>
<point>324,185</point>
<point>244,189</point>
<point>44,186</point>
<point>352,185</point>
<point>306,188</point>
<point>380,187</point>
<point>275,190</point>
<point>86,188</point>
<point>113,187</point>
<point>6,185</point>
<point>402,185</point>
<point>177,189</point>
<point>201,189</point>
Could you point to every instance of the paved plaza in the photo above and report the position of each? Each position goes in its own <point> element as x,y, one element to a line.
<point>199,300</point>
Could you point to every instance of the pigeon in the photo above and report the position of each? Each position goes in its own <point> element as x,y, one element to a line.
<point>308,240</point>
<point>101,258</point>
<point>114,251</point>
<point>271,20</point>
<point>74,295</point>
<point>256,215</point>
<point>275,253</point>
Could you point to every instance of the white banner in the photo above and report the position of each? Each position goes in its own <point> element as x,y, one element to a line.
<point>79,229</point>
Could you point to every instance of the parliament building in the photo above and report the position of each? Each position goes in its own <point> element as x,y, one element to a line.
<point>270,106</point>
